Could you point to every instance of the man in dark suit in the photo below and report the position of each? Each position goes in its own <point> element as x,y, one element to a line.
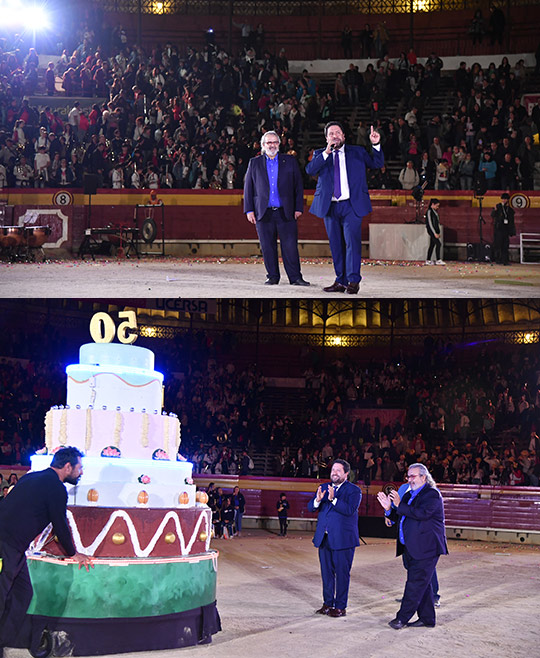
<point>421,540</point>
<point>273,201</point>
<point>504,228</point>
<point>336,536</point>
<point>342,199</point>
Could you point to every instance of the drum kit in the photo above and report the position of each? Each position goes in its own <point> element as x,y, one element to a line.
<point>23,242</point>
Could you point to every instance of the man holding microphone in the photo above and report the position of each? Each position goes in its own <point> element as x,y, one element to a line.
<point>342,199</point>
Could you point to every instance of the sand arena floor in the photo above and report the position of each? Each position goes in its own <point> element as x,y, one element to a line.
<point>269,588</point>
<point>244,277</point>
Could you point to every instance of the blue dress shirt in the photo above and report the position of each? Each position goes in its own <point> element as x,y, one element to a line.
<point>272,168</point>
<point>413,496</point>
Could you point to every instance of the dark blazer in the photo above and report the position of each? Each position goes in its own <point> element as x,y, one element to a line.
<point>498,219</point>
<point>423,528</point>
<point>257,186</point>
<point>357,159</point>
<point>339,520</point>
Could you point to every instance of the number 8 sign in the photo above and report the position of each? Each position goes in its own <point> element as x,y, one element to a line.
<point>63,198</point>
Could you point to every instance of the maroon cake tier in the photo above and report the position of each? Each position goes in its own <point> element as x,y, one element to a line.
<point>132,532</point>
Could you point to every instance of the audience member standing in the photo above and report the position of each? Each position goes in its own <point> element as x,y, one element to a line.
<point>283,506</point>
<point>433,227</point>
<point>503,228</point>
<point>239,504</point>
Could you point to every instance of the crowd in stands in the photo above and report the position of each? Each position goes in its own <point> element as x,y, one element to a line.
<point>472,418</point>
<point>175,118</point>
<point>485,133</point>
<point>164,119</point>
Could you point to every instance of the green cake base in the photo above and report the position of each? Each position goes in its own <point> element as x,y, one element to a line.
<point>123,605</point>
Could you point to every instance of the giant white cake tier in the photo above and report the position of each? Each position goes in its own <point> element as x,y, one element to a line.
<point>115,376</point>
<point>113,482</point>
<point>103,432</point>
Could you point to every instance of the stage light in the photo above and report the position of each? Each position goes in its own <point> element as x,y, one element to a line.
<point>32,17</point>
<point>38,19</point>
<point>335,341</point>
<point>148,332</point>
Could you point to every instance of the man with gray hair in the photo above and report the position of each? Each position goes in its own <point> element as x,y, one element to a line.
<point>421,539</point>
<point>273,201</point>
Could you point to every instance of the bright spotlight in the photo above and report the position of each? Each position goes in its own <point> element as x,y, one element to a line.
<point>335,341</point>
<point>38,19</point>
<point>33,17</point>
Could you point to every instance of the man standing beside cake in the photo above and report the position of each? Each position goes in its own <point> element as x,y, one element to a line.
<point>38,499</point>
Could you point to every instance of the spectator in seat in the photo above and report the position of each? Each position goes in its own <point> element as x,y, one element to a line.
<point>489,167</point>
<point>23,173</point>
<point>50,79</point>
<point>466,171</point>
<point>408,176</point>
<point>42,162</point>
<point>64,176</point>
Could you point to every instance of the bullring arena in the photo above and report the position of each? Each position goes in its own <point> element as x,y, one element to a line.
<point>174,96</point>
<point>269,588</point>
<point>209,250</point>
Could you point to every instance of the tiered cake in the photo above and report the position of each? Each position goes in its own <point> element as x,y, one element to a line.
<point>135,501</point>
<point>113,415</point>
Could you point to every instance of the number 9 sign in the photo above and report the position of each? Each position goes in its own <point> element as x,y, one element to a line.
<point>519,201</point>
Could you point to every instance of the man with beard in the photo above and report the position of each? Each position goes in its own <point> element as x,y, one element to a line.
<point>421,540</point>
<point>39,498</point>
<point>342,200</point>
<point>336,536</point>
<point>273,202</point>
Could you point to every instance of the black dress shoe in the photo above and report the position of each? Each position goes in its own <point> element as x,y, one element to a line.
<point>300,282</point>
<point>337,612</point>
<point>397,624</point>
<point>418,623</point>
<point>335,287</point>
<point>271,282</point>
<point>324,610</point>
<point>352,288</point>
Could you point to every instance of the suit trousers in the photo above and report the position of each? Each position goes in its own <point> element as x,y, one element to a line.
<point>418,594</point>
<point>271,225</point>
<point>335,571</point>
<point>434,580</point>
<point>15,593</point>
<point>344,228</point>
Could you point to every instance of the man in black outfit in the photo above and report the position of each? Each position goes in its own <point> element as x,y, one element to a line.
<point>38,499</point>
<point>503,228</point>
<point>282,512</point>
